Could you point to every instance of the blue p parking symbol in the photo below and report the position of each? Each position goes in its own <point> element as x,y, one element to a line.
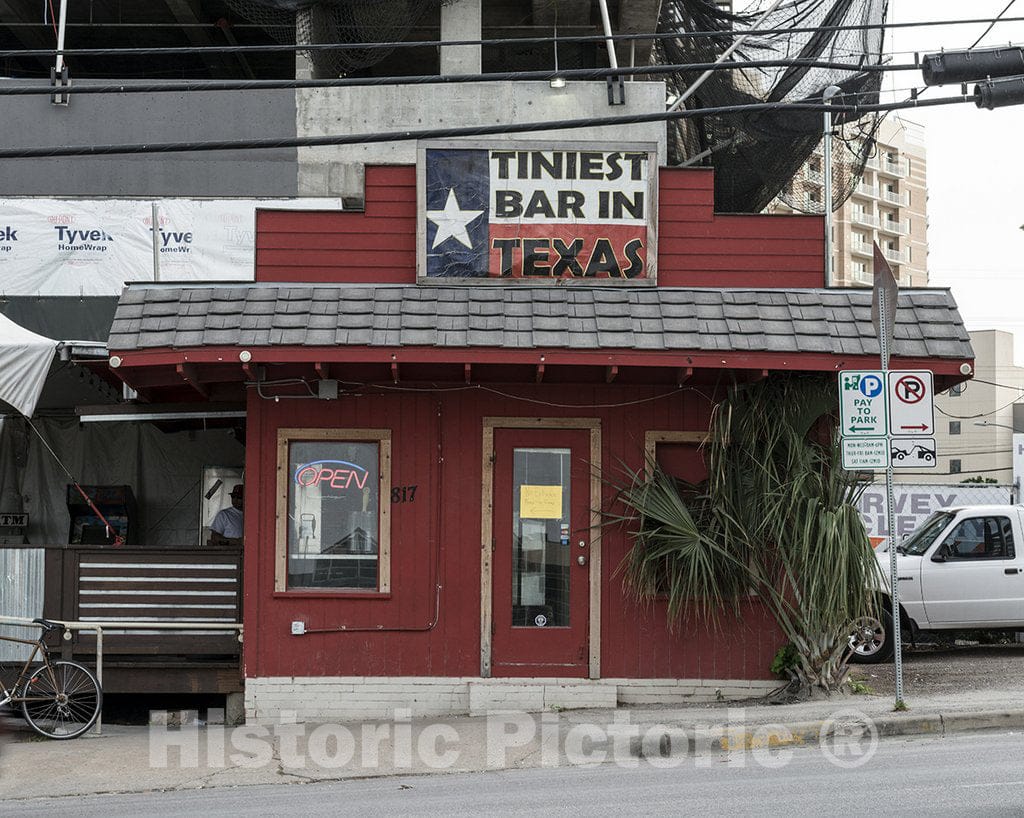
<point>871,386</point>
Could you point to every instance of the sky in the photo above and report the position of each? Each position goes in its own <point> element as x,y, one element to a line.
<point>975,169</point>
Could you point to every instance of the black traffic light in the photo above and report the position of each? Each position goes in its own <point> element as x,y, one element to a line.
<point>999,93</point>
<point>951,67</point>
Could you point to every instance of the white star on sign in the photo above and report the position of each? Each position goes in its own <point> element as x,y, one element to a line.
<point>451,222</point>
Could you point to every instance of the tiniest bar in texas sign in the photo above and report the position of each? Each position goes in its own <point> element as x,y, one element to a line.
<point>537,212</point>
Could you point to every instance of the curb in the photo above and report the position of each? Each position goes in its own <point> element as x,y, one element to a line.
<point>702,740</point>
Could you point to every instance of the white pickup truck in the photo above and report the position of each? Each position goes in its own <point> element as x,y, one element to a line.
<point>962,568</point>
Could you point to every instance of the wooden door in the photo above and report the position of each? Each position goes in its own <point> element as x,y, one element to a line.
<point>541,580</point>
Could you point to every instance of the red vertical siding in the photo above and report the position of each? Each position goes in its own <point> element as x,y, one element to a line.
<point>436,440</point>
<point>696,246</point>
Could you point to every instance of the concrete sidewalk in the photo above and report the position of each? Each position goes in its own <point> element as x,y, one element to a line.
<point>139,759</point>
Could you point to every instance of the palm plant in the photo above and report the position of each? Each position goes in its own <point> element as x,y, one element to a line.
<point>776,518</point>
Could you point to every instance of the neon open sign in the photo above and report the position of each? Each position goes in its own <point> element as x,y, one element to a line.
<point>338,474</point>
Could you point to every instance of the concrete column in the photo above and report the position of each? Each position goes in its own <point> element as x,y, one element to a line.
<point>311,27</point>
<point>461,20</point>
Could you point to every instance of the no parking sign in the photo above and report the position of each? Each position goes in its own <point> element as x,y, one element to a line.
<point>911,409</point>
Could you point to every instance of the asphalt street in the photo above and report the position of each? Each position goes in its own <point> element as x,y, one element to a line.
<point>924,776</point>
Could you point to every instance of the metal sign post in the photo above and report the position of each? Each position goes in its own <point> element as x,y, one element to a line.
<point>883,314</point>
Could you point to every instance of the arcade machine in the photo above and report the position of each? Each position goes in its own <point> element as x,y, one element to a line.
<point>116,503</point>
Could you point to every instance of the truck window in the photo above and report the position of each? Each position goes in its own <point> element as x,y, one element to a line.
<point>922,539</point>
<point>981,538</point>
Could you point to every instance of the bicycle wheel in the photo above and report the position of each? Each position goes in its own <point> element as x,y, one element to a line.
<point>61,700</point>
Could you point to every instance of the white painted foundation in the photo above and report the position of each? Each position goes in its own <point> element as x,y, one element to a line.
<point>352,698</point>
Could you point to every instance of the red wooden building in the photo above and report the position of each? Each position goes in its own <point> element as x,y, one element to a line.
<point>426,463</point>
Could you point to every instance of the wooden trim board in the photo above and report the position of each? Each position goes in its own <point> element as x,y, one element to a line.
<point>487,529</point>
<point>383,438</point>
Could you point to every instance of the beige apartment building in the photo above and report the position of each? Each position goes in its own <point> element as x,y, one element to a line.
<point>974,422</point>
<point>888,206</point>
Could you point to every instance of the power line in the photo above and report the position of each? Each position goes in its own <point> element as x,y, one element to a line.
<point>445,133</point>
<point>583,38</point>
<point>1017,389</point>
<point>992,24</point>
<point>441,79</point>
<point>982,414</point>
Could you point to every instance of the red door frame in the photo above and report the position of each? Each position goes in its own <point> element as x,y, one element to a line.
<point>542,651</point>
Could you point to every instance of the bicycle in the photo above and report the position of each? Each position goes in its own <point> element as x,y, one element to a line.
<point>58,699</point>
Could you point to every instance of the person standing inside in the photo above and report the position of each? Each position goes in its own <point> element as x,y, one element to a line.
<point>226,528</point>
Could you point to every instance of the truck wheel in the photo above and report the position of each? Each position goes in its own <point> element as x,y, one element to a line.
<point>871,639</point>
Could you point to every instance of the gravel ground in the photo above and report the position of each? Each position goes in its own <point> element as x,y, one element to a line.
<point>944,670</point>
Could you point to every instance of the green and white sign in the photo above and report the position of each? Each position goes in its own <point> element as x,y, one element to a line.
<point>865,453</point>
<point>862,403</point>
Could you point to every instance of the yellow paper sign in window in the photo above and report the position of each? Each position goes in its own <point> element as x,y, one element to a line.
<point>540,502</point>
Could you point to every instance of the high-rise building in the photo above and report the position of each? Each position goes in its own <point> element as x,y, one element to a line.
<point>888,206</point>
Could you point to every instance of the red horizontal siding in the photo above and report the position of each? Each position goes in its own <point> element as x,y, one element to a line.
<point>375,245</point>
<point>696,246</point>
<point>436,445</point>
<point>361,254</point>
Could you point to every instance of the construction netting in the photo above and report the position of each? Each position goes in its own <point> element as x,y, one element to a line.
<point>308,22</point>
<point>758,156</point>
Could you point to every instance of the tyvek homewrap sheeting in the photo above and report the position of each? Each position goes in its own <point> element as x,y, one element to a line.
<point>92,246</point>
<point>25,360</point>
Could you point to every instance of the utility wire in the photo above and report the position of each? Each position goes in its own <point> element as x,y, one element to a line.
<point>991,25</point>
<point>585,38</point>
<point>981,414</point>
<point>442,79</point>
<point>1018,389</point>
<point>445,133</point>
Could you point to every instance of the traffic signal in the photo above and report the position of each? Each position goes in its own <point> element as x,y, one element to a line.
<point>999,93</point>
<point>999,73</point>
<point>951,67</point>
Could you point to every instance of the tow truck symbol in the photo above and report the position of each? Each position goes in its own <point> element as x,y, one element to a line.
<point>920,451</point>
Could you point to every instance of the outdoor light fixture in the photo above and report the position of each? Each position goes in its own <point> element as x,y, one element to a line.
<point>245,356</point>
<point>556,81</point>
<point>965,369</point>
<point>115,361</point>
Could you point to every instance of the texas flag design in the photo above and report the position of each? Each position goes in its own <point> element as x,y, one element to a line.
<point>536,214</point>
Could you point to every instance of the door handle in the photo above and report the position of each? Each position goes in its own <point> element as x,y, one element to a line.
<point>1011,570</point>
<point>582,560</point>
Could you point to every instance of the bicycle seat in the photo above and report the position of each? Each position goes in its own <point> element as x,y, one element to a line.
<point>47,625</point>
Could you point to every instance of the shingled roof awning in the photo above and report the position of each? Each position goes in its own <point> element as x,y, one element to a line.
<point>823,321</point>
<point>225,330</point>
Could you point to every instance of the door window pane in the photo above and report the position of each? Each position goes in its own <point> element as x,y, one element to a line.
<point>333,514</point>
<point>980,538</point>
<point>540,538</point>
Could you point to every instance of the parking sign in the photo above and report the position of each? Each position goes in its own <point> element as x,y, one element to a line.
<point>911,411</point>
<point>862,398</point>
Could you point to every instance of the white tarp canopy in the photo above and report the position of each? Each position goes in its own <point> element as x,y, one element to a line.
<point>25,360</point>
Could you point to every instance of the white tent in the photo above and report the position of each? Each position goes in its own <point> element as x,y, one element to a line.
<point>25,360</point>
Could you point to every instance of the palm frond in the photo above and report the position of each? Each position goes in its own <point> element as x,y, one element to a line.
<point>776,516</point>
